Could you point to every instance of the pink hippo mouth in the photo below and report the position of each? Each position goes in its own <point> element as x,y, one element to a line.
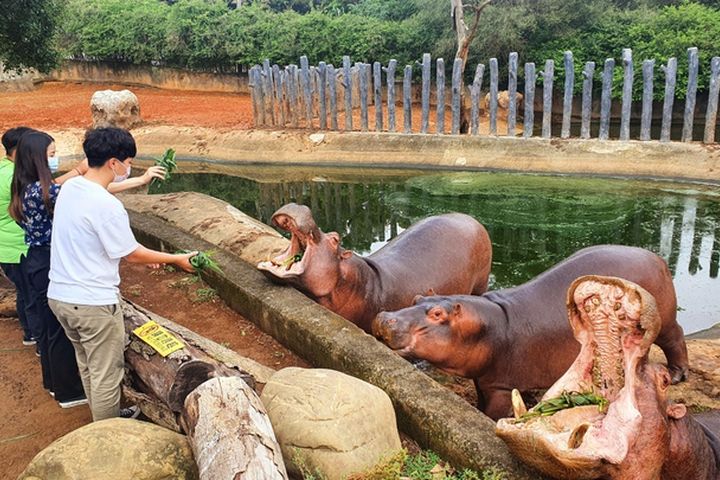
<point>291,263</point>
<point>590,418</point>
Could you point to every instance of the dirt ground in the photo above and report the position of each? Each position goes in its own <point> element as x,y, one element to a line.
<point>32,419</point>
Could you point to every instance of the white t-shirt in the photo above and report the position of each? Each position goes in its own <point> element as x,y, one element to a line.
<point>91,233</point>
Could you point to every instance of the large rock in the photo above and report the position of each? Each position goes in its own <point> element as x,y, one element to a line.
<point>111,108</point>
<point>117,448</point>
<point>331,423</point>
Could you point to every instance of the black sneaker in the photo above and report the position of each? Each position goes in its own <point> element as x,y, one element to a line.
<point>29,341</point>
<point>130,412</point>
<point>73,402</point>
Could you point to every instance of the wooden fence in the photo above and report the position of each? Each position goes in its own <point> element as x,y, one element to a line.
<point>309,96</point>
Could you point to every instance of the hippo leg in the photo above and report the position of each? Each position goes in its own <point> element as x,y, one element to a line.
<point>497,404</point>
<point>672,343</point>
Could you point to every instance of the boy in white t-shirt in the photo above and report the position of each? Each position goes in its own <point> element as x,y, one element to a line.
<point>91,233</point>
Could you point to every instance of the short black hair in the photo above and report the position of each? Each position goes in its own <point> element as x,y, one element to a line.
<point>11,138</point>
<point>102,144</point>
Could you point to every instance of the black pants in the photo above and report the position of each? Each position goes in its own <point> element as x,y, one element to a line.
<point>17,274</point>
<point>57,355</point>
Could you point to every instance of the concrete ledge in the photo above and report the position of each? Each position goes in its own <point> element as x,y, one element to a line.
<point>435,417</point>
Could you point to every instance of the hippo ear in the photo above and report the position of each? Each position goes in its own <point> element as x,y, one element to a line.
<point>345,254</point>
<point>430,292</point>
<point>676,410</point>
<point>417,299</point>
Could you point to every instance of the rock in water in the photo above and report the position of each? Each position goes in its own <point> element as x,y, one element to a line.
<point>330,423</point>
<point>112,108</point>
<point>116,448</point>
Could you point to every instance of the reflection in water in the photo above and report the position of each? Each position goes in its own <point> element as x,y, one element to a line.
<point>533,221</point>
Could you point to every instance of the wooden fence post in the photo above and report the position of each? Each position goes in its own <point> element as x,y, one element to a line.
<point>606,99</point>
<point>588,73</point>
<point>512,93</point>
<point>277,82</point>
<point>529,110</point>
<point>670,79</point>
<point>269,96</point>
<point>363,78</point>
<point>475,99</point>
<point>628,73</point>
<point>332,93</point>
<point>407,99</point>
<point>568,97</point>
<point>687,132</point>
<point>390,72</point>
<point>257,96</point>
<point>548,75</point>
<point>292,95</point>
<point>307,93</point>
<point>493,95</point>
<point>425,122</point>
<point>456,86</point>
<point>711,115</point>
<point>322,96</point>
<point>648,68</point>
<point>440,85</point>
<point>377,87</point>
<point>347,85</point>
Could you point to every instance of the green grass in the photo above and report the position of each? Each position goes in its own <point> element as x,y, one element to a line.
<point>205,294</point>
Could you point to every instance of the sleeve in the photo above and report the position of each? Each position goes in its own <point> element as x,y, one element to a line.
<point>53,193</point>
<point>116,236</point>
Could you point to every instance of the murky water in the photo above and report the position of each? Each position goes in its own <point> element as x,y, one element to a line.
<point>534,221</point>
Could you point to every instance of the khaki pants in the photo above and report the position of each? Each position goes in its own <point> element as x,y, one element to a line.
<point>98,335</point>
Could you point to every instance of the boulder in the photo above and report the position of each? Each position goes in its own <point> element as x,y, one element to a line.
<point>116,448</point>
<point>112,108</point>
<point>328,423</point>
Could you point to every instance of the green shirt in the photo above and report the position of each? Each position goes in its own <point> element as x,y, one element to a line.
<point>12,237</point>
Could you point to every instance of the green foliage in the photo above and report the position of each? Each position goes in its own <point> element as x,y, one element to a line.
<point>27,34</point>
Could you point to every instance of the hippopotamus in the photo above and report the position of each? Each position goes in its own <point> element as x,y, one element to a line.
<point>446,254</point>
<point>519,337</point>
<point>631,432</point>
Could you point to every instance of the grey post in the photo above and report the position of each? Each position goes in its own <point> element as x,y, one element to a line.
<point>648,69</point>
<point>256,96</point>
<point>456,94</point>
<point>475,99</point>
<point>363,76</point>
<point>277,84</point>
<point>588,73</point>
<point>390,72</point>
<point>377,87</point>
<point>407,99</point>
<point>307,90</point>
<point>332,93</point>
<point>440,84</point>
<point>322,94</point>
<point>548,75</point>
<point>628,74</point>
<point>425,123</point>
<point>711,115</point>
<point>670,79</point>
<point>568,97</point>
<point>347,85</point>
<point>605,99</point>
<point>529,110</point>
<point>493,95</point>
<point>269,95</point>
<point>292,94</point>
<point>691,94</point>
<point>512,93</point>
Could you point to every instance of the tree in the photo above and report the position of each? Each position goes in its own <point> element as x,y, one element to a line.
<point>27,34</point>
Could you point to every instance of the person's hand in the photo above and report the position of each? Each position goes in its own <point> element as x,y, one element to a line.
<point>154,266</point>
<point>82,167</point>
<point>153,172</point>
<point>183,261</point>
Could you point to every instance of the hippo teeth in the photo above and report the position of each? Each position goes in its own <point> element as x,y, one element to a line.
<point>518,404</point>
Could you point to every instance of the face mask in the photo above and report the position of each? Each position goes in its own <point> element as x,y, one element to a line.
<point>54,163</point>
<point>120,178</point>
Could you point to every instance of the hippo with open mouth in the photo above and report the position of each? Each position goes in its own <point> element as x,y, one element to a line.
<point>519,337</point>
<point>632,433</point>
<point>447,254</point>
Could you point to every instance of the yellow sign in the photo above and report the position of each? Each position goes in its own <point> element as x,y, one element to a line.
<point>158,338</point>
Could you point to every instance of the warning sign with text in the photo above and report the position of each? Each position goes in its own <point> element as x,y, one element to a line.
<point>158,338</point>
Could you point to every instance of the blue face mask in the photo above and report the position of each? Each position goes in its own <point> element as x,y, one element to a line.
<point>54,163</point>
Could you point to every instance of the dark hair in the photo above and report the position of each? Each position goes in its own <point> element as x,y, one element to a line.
<point>102,144</point>
<point>11,138</point>
<point>31,165</point>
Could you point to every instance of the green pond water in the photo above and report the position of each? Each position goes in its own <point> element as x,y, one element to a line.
<point>534,221</point>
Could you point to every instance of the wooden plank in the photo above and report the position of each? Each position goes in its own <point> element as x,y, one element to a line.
<point>548,74</point>
<point>256,95</point>
<point>377,87</point>
<point>670,81</point>
<point>307,90</point>
<point>407,99</point>
<point>347,85</point>
<point>628,74</point>
<point>390,75</point>
<point>688,121</point>
<point>493,95</point>
<point>475,98</point>
<point>293,96</point>
<point>711,113</point>
<point>277,84</point>
<point>606,99</point>
<point>269,96</point>
<point>425,101</point>
<point>529,110</point>
<point>456,94</point>
<point>322,94</point>
<point>363,79</point>
<point>440,84</point>
<point>648,70</point>
<point>512,93</point>
<point>332,93</point>
<point>568,94</point>
<point>588,73</point>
